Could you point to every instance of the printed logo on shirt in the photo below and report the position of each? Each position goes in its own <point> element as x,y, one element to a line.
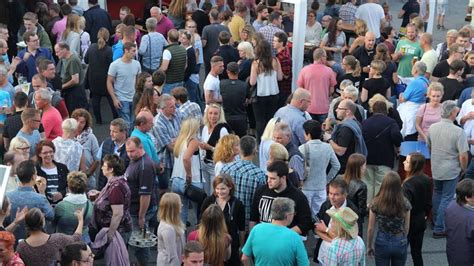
<point>264,207</point>
<point>143,188</point>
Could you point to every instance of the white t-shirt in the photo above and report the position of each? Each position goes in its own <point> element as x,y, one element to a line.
<point>213,84</point>
<point>468,126</point>
<point>167,55</point>
<point>430,58</point>
<point>372,14</point>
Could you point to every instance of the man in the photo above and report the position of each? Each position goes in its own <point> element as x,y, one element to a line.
<point>73,76</point>
<point>47,70</point>
<point>143,125</point>
<point>13,124</point>
<point>282,134</point>
<point>381,135</point>
<point>280,41</point>
<point>347,13</point>
<point>193,254</point>
<point>28,56</point>
<point>407,49</point>
<point>442,48</point>
<point>174,62</point>
<point>456,52</point>
<point>337,199</point>
<point>123,12</point>
<point>365,54</point>
<point>13,159</point>
<point>30,23</point>
<point>166,126</point>
<point>262,16</point>
<point>238,21</point>
<point>347,138</point>
<point>277,186</point>
<point>77,254</point>
<point>273,27</point>
<point>54,12</point>
<point>463,38</point>
<point>151,47</point>
<point>96,18</point>
<point>128,35</point>
<point>294,114</point>
<point>320,86</point>
<point>51,118</point>
<point>38,82</point>
<point>26,196</point>
<point>60,26</point>
<point>429,57</point>
<point>140,175</point>
<point>448,146</point>
<point>211,85</point>
<point>373,15</point>
<point>115,144</point>
<point>121,82</point>
<point>228,52</point>
<point>451,86</point>
<point>186,108</point>
<point>234,96</point>
<point>210,38</point>
<point>288,21</point>
<point>164,23</point>
<point>246,175</point>
<point>31,119</point>
<point>286,247</point>
<point>4,35</point>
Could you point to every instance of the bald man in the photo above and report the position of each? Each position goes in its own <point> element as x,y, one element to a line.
<point>365,54</point>
<point>143,124</point>
<point>294,114</point>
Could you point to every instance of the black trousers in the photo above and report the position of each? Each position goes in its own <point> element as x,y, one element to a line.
<point>416,242</point>
<point>95,100</point>
<point>264,110</point>
<point>239,126</point>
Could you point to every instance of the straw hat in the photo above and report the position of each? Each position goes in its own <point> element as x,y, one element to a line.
<point>347,218</point>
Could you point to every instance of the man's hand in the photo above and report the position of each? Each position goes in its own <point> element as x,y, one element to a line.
<point>20,215</point>
<point>117,103</point>
<point>141,222</point>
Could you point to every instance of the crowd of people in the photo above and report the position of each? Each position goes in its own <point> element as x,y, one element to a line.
<point>213,158</point>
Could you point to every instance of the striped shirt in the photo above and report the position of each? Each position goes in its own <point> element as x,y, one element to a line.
<point>165,130</point>
<point>190,110</point>
<point>345,252</point>
<point>347,13</point>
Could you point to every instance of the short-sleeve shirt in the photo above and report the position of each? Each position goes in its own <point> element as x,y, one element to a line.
<point>412,49</point>
<point>344,137</point>
<point>72,66</point>
<point>5,102</point>
<point>430,58</point>
<point>372,14</point>
<point>429,116</point>
<point>452,88</point>
<point>33,139</point>
<point>409,7</point>
<point>212,84</point>
<point>340,42</point>
<point>51,121</point>
<point>140,176</point>
<point>124,78</point>
<point>235,26</point>
<point>376,85</point>
<point>416,90</point>
<point>391,224</point>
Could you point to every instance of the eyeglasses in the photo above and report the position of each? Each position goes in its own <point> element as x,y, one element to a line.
<point>35,40</point>
<point>23,148</point>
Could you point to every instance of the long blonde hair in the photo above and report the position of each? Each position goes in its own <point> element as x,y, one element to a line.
<point>72,24</point>
<point>189,130</point>
<point>221,115</point>
<point>224,151</point>
<point>212,234</point>
<point>268,132</point>
<point>177,8</point>
<point>169,212</point>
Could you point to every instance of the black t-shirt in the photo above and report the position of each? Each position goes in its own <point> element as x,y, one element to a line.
<point>201,19</point>
<point>376,85</point>
<point>442,69</point>
<point>452,88</point>
<point>229,54</point>
<point>355,80</point>
<point>344,137</point>
<point>365,57</point>
<point>234,93</point>
<point>140,176</point>
<point>409,7</point>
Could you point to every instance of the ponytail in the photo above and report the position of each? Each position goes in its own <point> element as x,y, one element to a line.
<point>357,70</point>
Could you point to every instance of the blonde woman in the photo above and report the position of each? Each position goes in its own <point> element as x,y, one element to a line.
<point>247,55</point>
<point>21,146</point>
<point>376,83</point>
<point>265,142</point>
<point>170,231</point>
<point>391,112</point>
<point>227,150</point>
<point>360,30</point>
<point>187,164</point>
<point>71,35</point>
<point>429,113</point>
<point>215,127</point>
<point>84,37</point>
<point>177,13</point>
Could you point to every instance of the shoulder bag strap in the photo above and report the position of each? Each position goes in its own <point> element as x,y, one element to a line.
<point>306,160</point>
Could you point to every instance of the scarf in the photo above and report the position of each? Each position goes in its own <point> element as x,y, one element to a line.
<point>76,198</point>
<point>82,138</point>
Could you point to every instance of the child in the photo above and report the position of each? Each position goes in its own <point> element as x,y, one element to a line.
<point>375,83</point>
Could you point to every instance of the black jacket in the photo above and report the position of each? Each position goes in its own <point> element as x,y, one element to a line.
<point>62,172</point>
<point>97,18</point>
<point>357,194</point>
<point>417,190</point>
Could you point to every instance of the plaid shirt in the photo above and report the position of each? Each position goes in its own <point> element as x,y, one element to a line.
<point>345,252</point>
<point>284,58</point>
<point>247,178</point>
<point>347,13</point>
<point>165,131</point>
<point>268,33</point>
<point>190,110</point>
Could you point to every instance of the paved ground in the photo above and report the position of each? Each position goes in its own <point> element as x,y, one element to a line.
<point>433,250</point>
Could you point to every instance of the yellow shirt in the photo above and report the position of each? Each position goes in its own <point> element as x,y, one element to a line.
<point>235,27</point>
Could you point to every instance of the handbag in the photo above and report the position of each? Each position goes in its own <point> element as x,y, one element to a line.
<point>193,192</point>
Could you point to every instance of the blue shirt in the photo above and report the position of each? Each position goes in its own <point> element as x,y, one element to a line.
<point>28,68</point>
<point>465,95</point>
<point>5,102</point>
<point>147,143</point>
<point>416,90</point>
<point>285,248</point>
<point>295,118</point>
<point>117,50</point>
<point>151,49</point>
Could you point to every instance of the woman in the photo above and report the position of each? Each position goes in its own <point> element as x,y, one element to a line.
<point>313,29</point>
<point>191,73</point>
<point>375,84</point>
<point>215,127</point>
<point>227,150</point>
<point>54,172</point>
<point>112,204</point>
<point>21,146</point>
<point>170,234</point>
<point>390,72</point>
<point>334,40</point>
<point>246,57</point>
<point>351,67</point>
<point>391,211</point>
<point>64,218</point>
<point>226,17</point>
<point>265,142</point>
<point>71,34</point>
<point>357,189</point>
<point>148,100</point>
<point>187,164</point>
<point>158,78</point>
<point>389,34</point>
<point>469,59</point>
<point>191,26</point>
<point>246,34</point>
<point>8,256</point>
<point>278,152</point>
<point>429,113</point>
<point>265,74</point>
<point>151,47</point>
<point>417,189</point>
<point>177,13</point>
<point>41,248</point>
<point>144,81</point>
<point>213,235</point>
<point>90,145</point>
<point>99,57</point>
<point>234,213</point>
<point>391,112</point>
<point>68,150</point>
<point>84,37</point>
<point>360,30</point>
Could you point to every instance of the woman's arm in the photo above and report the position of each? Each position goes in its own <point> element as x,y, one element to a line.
<point>277,67</point>
<point>117,214</point>
<point>388,93</point>
<point>395,77</point>
<point>364,95</point>
<point>169,237</point>
<point>82,163</point>
<point>253,73</point>
<point>355,44</point>
<point>419,120</point>
<point>328,48</point>
<point>407,222</point>
<point>80,221</point>
<point>370,234</point>
<point>193,146</point>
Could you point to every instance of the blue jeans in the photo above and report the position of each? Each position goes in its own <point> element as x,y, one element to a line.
<point>443,193</point>
<point>142,254</point>
<point>177,186</point>
<point>193,91</point>
<point>126,113</point>
<point>470,169</point>
<point>320,118</point>
<point>390,249</point>
<point>169,86</point>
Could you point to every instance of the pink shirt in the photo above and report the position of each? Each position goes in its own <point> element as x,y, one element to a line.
<point>58,29</point>
<point>429,116</point>
<point>318,79</point>
<point>164,26</point>
<point>52,121</point>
